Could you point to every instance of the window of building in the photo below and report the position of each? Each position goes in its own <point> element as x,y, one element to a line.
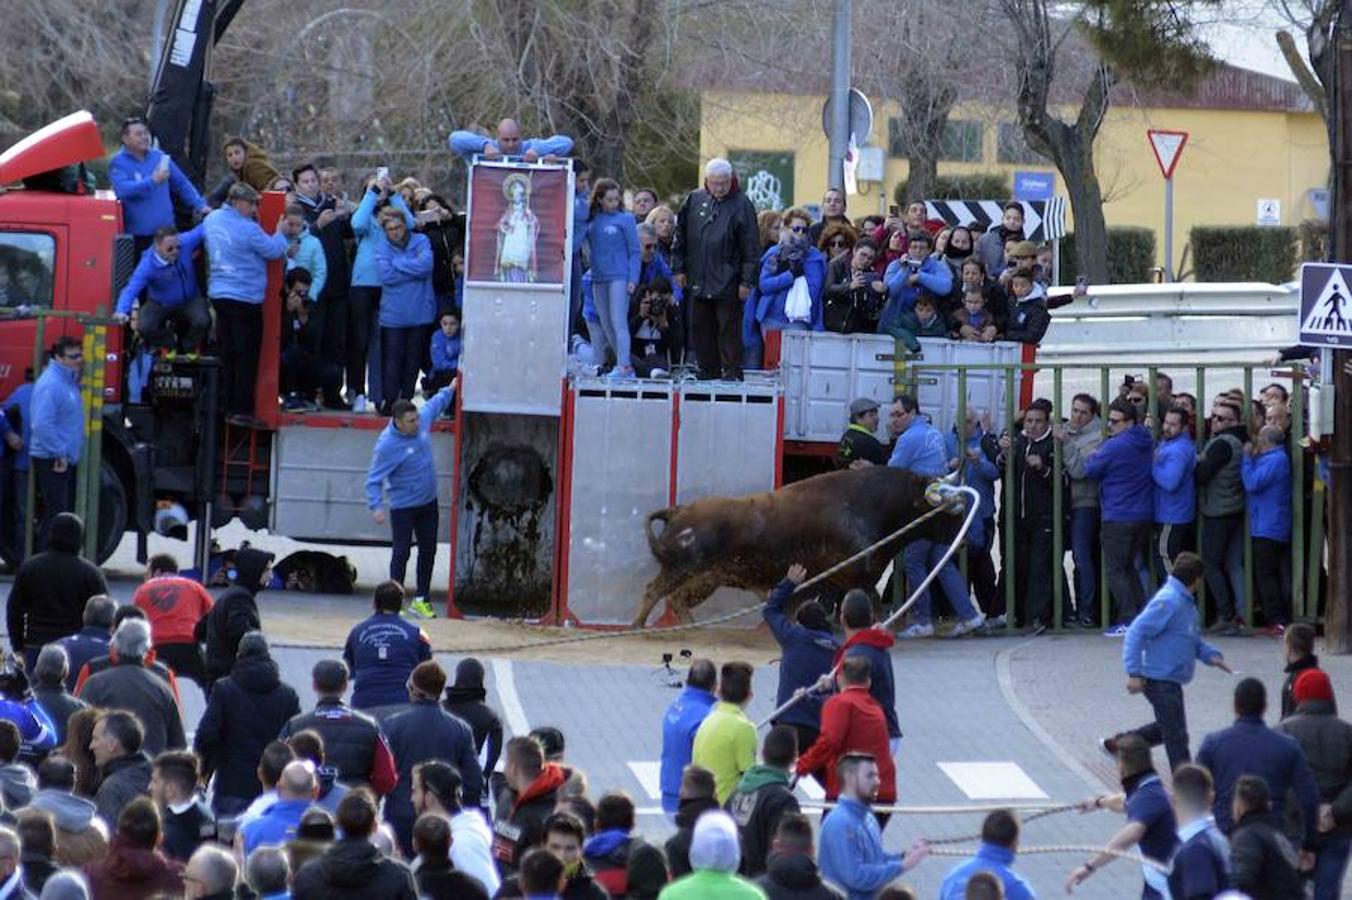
<point>961,142</point>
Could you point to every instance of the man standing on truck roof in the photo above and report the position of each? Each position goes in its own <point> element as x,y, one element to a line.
<point>238,251</point>
<point>146,181</point>
<point>58,431</point>
<point>403,460</point>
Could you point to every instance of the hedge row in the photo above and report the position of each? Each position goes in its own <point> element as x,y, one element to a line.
<point>1246,253</point>
<point>1131,255</point>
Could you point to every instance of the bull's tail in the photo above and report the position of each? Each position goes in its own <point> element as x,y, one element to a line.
<point>663,516</point>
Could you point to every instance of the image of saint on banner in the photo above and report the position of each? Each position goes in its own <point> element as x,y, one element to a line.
<point>1325,305</point>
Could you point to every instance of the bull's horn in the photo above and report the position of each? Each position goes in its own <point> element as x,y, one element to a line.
<point>952,477</point>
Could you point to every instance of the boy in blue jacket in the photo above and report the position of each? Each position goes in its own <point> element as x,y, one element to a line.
<point>1265,470</point>
<point>445,353</point>
<point>1175,491</point>
<point>1122,466</point>
<point>1158,655</point>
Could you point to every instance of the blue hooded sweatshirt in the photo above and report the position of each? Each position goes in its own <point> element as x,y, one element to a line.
<point>310,257</point>
<point>613,239</point>
<point>465,144</point>
<point>370,235</point>
<point>405,462</point>
<point>1267,485</point>
<point>935,277</point>
<point>275,826</point>
<point>238,250</point>
<point>920,448</point>
<point>1175,487</point>
<point>850,851</point>
<point>445,351</point>
<point>406,298</point>
<point>22,400</point>
<point>679,724</point>
<point>773,288</point>
<point>992,858</point>
<point>1122,466</point>
<point>980,474</point>
<point>58,415</point>
<point>1164,641</point>
<point>147,206</point>
<point>168,284</point>
<point>808,655</point>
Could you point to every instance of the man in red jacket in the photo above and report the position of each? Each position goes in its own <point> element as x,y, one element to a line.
<point>852,721</point>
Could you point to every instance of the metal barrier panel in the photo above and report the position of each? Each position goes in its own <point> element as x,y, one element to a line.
<point>515,349</point>
<point>621,472</point>
<point>321,484</point>
<point>823,372</point>
<point>727,445</point>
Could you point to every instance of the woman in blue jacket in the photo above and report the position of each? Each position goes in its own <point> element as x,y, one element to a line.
<point>408,305</point>
<point>613,238</point>
<point>783,264</point>
<point>364,298</point>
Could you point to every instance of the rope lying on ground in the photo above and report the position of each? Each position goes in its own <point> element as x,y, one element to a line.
<point>736,614</point>
<point>1063,848</point>
<point>974,501</point>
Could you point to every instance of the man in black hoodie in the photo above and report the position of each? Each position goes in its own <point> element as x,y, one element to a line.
<point>235,613</point>
<point>792,873</point>
<point>698,796</point>
<point>247,709</point>
<point>763,797</point>
<point>1265,865</point>
<point>47,600</point>
<point>352,868</point>
<point>467,699</point>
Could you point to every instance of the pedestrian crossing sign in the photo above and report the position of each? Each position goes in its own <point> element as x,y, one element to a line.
<point>1325,305</point>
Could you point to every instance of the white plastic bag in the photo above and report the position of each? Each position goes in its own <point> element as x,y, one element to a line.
<point>798,305</point>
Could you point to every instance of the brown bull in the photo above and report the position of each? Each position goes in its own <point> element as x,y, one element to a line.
<point>749,542</point>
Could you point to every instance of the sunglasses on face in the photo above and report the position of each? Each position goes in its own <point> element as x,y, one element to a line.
<point>1118,421</point>
<point>837,242</point>
<point>72,356</point>
<point>798,229</point>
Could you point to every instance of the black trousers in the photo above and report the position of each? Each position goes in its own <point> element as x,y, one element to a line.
<point>1170,727</point>
<point>1123,544</point>
<point>401,356</point>
<point>362,306</point>
<point>981,572</point>
<point>1222,539</point>
<point>406,525</point>
<point>334,341</point>
<point>716,326</point>
<point>1033,552</point>
<point>186,661</point>
<point>239,335</point>
<point>304,372</point>
<point>156,323</point>
<point>1272,579</point>
<point>1169,541</point>
<point>57,491</point>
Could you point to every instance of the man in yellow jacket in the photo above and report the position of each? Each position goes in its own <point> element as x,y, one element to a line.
<point>726,741</point>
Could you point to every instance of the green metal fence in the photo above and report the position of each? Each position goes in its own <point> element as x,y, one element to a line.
<point>1305,563</point>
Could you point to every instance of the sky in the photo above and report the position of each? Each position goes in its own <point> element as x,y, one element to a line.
<point>1243,36</point>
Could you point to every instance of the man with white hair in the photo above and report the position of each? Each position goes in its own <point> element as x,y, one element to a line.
<point>269,873</point>
<point>128,684</point>
<point>715,254</point>
<point>49,688</point>
<point>211,875</point>
<point>11,875</point>
<point>715,855</point>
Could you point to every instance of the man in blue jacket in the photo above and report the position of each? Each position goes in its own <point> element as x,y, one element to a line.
<point>979,471</point>
<point>509,143</point>
<point>147,182</point>
<point>1265,470</point>
<point>1122,466</point>
<point>403,460</point>
<point>920,448</point>
<point>383,650</point>
<point>296,791</point>
<point>679,724</point>
<point>1175,491</point>
<point>999,846</point>
<point>238,252</point>
<point>167,276</point>
<point>58,433</point>
<point>1249,747</point>
<point>904,278</point>
<point>850,845</point>
<point>1159,652</point>
<point>809,651</point>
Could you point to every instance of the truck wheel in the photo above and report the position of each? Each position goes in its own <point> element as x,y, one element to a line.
<point>112,512</point>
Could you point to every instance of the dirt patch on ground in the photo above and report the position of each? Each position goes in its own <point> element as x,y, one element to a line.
<point>287,621</point>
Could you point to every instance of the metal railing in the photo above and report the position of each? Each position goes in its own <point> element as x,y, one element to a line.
<point>1305,566</point>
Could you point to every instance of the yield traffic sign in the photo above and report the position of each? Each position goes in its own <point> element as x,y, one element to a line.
<point>1168,147</point>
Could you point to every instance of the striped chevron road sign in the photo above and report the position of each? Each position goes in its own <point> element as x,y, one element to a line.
<point>1043,220</point>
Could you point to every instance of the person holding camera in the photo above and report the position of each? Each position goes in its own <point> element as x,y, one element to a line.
<point>854,293</point>
<point>656,330</point>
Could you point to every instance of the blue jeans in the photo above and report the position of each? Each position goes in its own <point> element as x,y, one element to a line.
<point>1330,864</point>
<point>919,557</point>
<point>1084,550</point>
<point>612,308</point>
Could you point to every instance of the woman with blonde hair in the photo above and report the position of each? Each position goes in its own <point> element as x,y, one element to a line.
<point>663,221</point>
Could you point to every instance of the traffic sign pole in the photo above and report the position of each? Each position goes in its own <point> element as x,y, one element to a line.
<point>1168,229</point>
<point>1168,147</point>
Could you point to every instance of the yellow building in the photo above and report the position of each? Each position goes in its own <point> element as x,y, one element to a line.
<point>1252,138</point>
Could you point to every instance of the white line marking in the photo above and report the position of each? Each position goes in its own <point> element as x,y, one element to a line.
<point>507,696</point>
<point>1006,679</point>
<point>992,780</point>
<point>809,788</point>
<point>649,774</point>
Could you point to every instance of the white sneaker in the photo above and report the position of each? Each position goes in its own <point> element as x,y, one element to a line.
<point>976,623</point>
<point>917,630</point>
<point>360,405</point>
